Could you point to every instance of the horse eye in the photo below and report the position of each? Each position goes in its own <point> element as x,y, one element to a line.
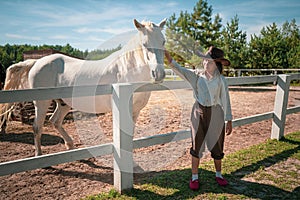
<point>164,42</point>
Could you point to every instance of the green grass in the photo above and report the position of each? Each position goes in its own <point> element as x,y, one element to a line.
<point>295,83</point>
<point>270,170</point>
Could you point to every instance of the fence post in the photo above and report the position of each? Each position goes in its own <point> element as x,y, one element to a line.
<point>122,136</point>
<point>239,72</point>
<point>280,106</point>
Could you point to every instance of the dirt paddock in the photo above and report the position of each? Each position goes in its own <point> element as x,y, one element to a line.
<point>167,111</point>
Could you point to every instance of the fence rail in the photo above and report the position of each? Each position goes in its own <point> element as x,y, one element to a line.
<point>123,142</point>
<point>239,72</point>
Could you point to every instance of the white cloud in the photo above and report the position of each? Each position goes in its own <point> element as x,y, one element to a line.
<point>62,17</point>
<point>101,13</point>
<point>62,37</point>
<point>172,4</point>
<point>95,39</point>
<point>16,36</point>
<point>102,30</point>
<point>116,40</point>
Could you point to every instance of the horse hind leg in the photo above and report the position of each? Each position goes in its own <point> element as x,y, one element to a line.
<point>41,108</point>
<point>57,118</point>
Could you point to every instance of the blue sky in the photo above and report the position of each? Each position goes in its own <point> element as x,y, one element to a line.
<point>89,24</point>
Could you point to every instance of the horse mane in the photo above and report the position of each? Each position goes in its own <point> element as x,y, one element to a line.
<point>132,51</point>
<point>148,23</point>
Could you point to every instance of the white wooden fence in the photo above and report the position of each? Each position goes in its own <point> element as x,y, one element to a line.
<point>238,72</point>
<point>123,142</point>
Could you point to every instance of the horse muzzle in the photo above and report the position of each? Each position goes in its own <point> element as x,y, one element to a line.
<point>158,75</point>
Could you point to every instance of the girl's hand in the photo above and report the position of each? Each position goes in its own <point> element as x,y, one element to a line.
<point>168,56</point>
<point>229,127</point>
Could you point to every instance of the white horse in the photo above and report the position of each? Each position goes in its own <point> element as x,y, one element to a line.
<point>141,59</point>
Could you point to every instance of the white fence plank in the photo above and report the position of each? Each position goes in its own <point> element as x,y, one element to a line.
<point>292,110</point>
<point>10,96</point>
<point>251,80</point>
<point>252,119</point>
<point>185,134</point>
<point>161,139</point>
<point>295,76</point>
<point>54,159</point>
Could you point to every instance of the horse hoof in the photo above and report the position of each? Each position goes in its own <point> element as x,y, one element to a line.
<point>70,147</point>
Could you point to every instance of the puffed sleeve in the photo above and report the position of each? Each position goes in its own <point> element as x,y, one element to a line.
<point>225,99</point>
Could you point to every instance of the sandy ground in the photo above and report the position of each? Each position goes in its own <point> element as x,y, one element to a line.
<point>167,111</point>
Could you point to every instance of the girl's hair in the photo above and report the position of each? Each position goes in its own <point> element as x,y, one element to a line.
<point>220,67</point>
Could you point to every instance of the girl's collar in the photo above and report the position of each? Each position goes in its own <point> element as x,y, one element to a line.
<point>206,75</point>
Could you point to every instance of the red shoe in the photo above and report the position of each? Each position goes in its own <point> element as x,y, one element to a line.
<point>221,181</point>
<point>194,185</point>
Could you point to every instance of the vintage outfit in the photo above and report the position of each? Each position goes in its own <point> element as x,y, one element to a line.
<point>210,111</point>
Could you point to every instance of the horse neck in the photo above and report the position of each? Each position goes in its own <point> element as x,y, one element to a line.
<point>133,51</point>
<point>131,58</point>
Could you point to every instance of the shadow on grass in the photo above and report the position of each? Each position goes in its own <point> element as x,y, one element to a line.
<point>178,185</point>
<point>269,161</point>
<point>176,182</point>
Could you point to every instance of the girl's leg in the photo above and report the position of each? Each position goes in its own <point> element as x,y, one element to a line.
<point>219,178</point>
<point>198,135</point>
<point>195,164</point>
<point>218,165</point>
<point>194,182</point>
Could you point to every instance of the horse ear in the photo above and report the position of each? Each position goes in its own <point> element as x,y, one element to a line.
<point>162,23</point>
<point>138,24</point>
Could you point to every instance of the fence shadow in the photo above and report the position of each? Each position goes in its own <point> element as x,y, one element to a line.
<point>93,175</point>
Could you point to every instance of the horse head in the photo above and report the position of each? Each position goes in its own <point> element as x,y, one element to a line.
<point>152,42</point>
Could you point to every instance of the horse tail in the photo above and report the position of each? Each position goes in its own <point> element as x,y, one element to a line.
<point>16,79</point>
<point>17,75</point>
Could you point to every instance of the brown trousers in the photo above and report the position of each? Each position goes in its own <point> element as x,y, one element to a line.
<point>207,129</point>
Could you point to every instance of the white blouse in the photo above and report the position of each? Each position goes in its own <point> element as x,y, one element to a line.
<point>207,92</point>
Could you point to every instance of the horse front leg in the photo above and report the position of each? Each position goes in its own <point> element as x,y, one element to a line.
<point>57,118</point>
<point>41,108</point>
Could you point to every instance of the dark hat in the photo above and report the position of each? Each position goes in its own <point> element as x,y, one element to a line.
<point>215,54</point>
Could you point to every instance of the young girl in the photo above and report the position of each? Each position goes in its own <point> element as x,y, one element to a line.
<point>210,111</point>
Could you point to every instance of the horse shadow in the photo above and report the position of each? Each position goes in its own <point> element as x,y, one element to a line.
<point>27,138</point>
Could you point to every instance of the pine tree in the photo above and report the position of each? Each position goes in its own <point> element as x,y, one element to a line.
<point>291,35</point>
<point>205,29</point>
<point>269,50</point>
<point>192,31</point>
<point>234,43</point>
